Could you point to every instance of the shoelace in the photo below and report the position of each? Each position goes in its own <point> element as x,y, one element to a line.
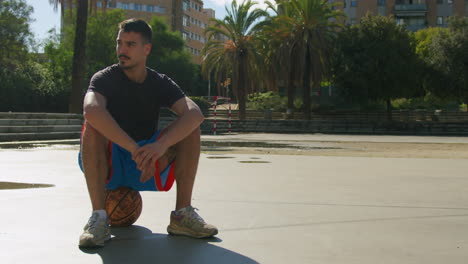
<point>92,221</point>
<point>194,214</point>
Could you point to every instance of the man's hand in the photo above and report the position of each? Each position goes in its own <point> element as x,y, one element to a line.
<point>146,157</point>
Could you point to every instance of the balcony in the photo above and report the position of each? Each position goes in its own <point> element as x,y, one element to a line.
<point>415,28</point>
<point>410,9</point>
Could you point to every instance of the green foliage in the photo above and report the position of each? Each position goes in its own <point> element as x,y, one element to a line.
<point>59,61</point>
<point>169,56</point>
<point>201,102</point>
<point>266,101</point>
<point>101,34</point>
<point>428,101</point>
<point>15,34</point>
<point>448,63</point>
<point>424,39</point>
<point>301,33</point>
<point>376,61</point>
<point>30,87</point>
<point>100,40</point>
<point>25,85</point>
<point>238,55</point>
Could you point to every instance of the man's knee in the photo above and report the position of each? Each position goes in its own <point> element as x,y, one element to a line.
<point>92,138</point>
<point>195,135</point>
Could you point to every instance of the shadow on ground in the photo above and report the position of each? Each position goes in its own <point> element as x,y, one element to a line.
<point>137,244</point>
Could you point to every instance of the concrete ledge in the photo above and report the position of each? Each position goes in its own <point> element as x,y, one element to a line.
<point>39,122</point>
<point>21,115</point>
<point>39,136</point>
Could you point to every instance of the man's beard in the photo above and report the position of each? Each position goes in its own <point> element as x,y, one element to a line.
<point>125,64</point>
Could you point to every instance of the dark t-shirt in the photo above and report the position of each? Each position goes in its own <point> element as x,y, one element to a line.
<point>135,106</point>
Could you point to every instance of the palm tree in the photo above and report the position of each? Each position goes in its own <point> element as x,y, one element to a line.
<point>79,48</point>
<point>231,47</point>
<point>300,33</point>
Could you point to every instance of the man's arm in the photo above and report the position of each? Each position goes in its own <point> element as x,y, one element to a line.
<point>96,114</point>
<point>190,118</point>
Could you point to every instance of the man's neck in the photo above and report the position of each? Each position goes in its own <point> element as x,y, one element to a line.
<point>137,74</point>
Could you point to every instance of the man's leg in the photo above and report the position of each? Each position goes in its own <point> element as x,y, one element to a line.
<point>187,152</point>
<point>94,155</point>
<point>185,220</point>
<point>188,155</point>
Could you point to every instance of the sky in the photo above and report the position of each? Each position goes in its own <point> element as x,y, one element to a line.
<point>46,18</point>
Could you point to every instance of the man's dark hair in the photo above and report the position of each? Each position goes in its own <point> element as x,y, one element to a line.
<point>138,26</point>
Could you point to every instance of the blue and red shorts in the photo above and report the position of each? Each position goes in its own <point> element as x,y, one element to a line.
<point>123,170</point>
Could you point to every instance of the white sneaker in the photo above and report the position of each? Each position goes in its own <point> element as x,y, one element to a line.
<point>187,222</point>
<point>96,232</point>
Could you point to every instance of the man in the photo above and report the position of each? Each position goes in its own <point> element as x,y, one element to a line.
<point>121,111</point>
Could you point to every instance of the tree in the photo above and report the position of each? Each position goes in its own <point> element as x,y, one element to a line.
<point>101,34</point>
<point>25,85</point>
<point>424,39</point>
<point>101,38</point>
<point>79,58</point>
<point>449,61</point>
<point>168,55</point>
<point>376,61</point>
<point>302,32</point>
<point>79,50</point>
<point>231,48</point>
<point>431,77</point>
<point>15,35</point>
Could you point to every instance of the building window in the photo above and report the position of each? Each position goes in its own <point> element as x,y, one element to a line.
<point>137,7</point>
<point>149,8</point>
<point>440,20</point>
<point>440,2</point>
<point>123,6</point>
<point>354,3</point>
<point>381,2</point>
<point>449,1</point>
<point>99,4</point>
<point>186,6</point>
<point>184,35</point>
<point>160,10</point>
<point>186,21</point>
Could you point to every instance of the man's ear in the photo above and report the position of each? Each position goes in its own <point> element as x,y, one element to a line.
<point>148,47</point>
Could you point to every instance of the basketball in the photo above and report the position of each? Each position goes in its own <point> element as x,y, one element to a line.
<point>123,206</point>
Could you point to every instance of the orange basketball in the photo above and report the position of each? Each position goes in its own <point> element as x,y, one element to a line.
<point>123,206</point>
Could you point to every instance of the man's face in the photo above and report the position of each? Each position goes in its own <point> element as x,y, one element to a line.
<point>131,49</point>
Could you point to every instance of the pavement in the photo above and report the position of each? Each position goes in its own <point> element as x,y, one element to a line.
<point>268,208</point>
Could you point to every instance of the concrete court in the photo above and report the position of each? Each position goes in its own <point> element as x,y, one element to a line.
<point>289,209</point>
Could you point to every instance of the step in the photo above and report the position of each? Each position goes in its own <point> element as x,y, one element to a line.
<point>21,115</point>
<point>36,129</point>
<point>39,122</point>
<point>39,136</point>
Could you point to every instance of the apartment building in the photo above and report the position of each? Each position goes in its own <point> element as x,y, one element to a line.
<point>414,14</point>
<point>186,16</point>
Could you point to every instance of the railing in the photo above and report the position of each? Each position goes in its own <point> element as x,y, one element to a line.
<point>411,7</point>
<point>397,115</point>
<point>415,27</point>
